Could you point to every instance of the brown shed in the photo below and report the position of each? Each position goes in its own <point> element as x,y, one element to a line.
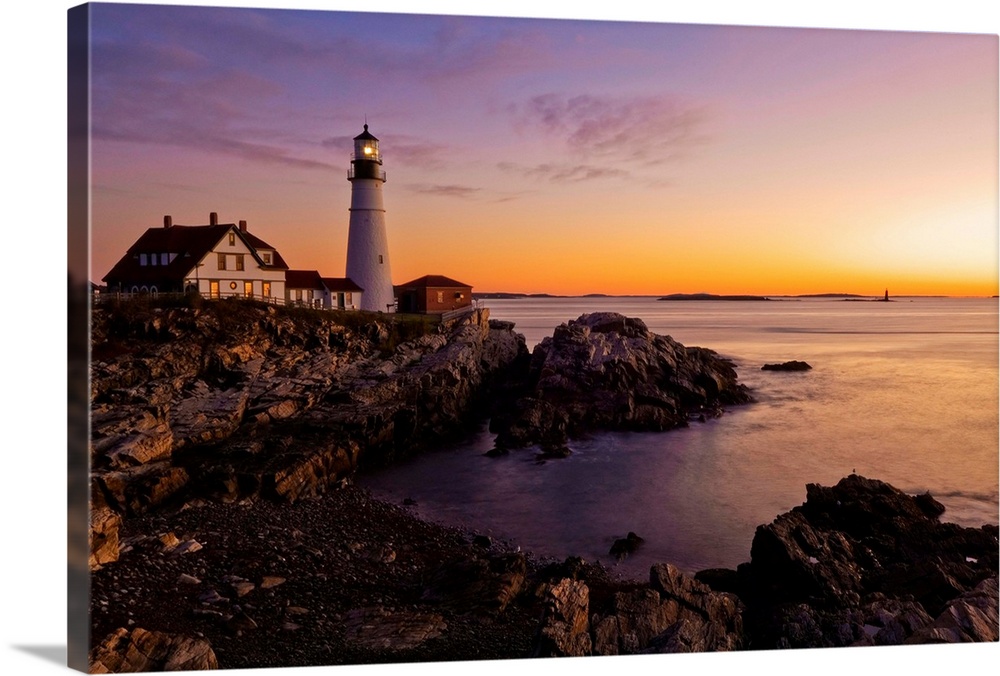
<point>432,294</point>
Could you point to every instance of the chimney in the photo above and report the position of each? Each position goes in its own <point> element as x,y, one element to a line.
<point>213,218</point>
<point>167,221</point>
<point>243,226</point>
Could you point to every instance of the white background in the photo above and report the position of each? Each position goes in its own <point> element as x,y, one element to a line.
<point>32,403</point>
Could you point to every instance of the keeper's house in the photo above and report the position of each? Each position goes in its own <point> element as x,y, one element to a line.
<point>432,294</point>
<point>217,260</point>
<point>308,287</point>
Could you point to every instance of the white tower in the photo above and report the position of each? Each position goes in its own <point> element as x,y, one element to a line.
<point>367,244</point>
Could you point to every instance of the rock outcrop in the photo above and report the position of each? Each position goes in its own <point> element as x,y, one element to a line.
<point>793,365</point>
<point>864,563</point>
<point>235,399</point>
<point>136,650</point>
<point>674,613</point>
<point>605,371</point>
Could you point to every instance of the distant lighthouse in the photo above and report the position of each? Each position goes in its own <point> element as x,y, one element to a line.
<point>367,243</point>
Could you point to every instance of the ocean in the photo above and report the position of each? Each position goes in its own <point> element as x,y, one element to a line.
<point>905,392</point>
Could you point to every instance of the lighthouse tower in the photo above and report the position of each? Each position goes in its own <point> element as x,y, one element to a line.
<point>367,244</point>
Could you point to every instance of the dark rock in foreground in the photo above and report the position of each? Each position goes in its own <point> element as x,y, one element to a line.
<point>861,563</point>
<point>343,578</point>
<point>605,371</point>
<point>787,366</point>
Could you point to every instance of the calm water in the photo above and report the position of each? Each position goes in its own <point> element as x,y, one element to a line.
<point>905,392</point>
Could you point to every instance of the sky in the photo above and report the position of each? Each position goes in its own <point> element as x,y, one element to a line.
<point>561,156</point>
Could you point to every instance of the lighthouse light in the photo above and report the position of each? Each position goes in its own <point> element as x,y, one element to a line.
<point>368,150</point>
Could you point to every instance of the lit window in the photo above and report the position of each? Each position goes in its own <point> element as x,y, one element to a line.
<point>239,261</point>
<point>267,290</point>
<point>222,261</point>
<point>267,258</point>
<point>142,259</point>
<point>440,296</point>
<point>232,239</point>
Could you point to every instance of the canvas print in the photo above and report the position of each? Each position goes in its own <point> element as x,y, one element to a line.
<point>418,338</point>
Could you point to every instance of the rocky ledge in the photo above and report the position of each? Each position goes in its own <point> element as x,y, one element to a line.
<point>605,371</point>
<point>235,399</point>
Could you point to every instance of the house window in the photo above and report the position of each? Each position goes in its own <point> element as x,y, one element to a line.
<point>248,289</point>
<point>213,289</point>
<point>267,258</point>
<point>232,239</point>
<point>267,290</point>
<point>164,259</point>
<point>298,295</point>
<point>222,261</point>
<point>440,296</point>
<point>142,259</point>
<point>239,261</point>
<point>347,298</point>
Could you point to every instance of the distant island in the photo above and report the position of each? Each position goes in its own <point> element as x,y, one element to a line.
<point>708,296</point>
<point>504,295</point>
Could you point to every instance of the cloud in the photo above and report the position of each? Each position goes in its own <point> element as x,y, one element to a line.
<point>460,191</point>
<point>644,130</point>
<point>563,173</point>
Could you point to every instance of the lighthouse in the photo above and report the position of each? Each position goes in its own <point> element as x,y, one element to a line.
<point>367,243</point>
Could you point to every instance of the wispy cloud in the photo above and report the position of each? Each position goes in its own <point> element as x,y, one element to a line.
<point>563,173</point>
<point>460,191</point>
<point>647,130</point>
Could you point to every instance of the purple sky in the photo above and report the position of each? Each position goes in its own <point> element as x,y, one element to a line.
<point>559,155</point>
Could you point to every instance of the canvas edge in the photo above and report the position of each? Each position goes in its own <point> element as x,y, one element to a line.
<point>78,339</point>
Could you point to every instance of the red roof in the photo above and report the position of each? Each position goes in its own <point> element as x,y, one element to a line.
<point>436,281</point>
<point>303,279</point>
<point>190,243</point>
<point>341,284</point>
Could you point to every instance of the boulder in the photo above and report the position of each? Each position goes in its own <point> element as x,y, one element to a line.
<point>565,625</point>
<point>607,371</point>
<point>787,366</point>
<point>862,563</point>
<point>128,651</point>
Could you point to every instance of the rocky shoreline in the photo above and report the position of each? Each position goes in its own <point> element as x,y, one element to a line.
<point>226,532</point>
<point>346,579</point>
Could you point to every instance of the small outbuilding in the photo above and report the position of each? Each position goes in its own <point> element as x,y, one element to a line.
<point>432,294</point>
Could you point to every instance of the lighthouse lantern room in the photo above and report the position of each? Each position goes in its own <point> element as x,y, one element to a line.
<point>367,243</point>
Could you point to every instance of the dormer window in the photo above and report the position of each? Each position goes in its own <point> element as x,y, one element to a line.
<point>266,258</point>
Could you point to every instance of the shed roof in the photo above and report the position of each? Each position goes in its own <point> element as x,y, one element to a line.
<point>436,281</point>
<point>303,279</point>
